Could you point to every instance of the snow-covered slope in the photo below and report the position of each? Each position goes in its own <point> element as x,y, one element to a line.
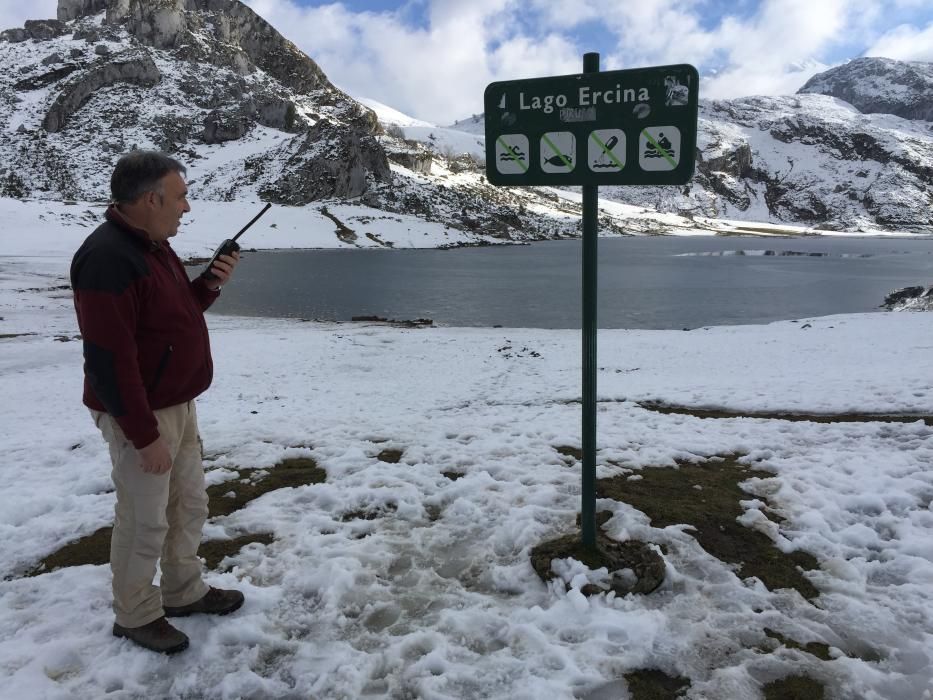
<point>873,85</point>
<point>807,158</point>
<point>391,116</point>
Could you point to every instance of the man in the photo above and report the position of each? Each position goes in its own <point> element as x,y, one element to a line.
<point>146,357</point>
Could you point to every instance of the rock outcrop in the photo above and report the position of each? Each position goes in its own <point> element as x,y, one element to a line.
<point>72,9</point>
<point>879,85</point>
<point>909,299</point>
<point>224,32</point>
<point>127,67</point>
<point>329,162</point>
<point>232,123</point>
<point>36,29</point>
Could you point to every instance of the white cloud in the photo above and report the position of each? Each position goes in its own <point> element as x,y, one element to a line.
<point>14,14</point>
<point>437,72</point>
<point>905,43</point>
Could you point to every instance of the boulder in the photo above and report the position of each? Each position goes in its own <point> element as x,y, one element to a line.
<point>90,34</point>
<point>909,299</point>
<point>225,125</point>
<point>72,9</point>
<point>44,29</point>
<point>416,160</point>
<point>275,112</point>
<point>16,35</point>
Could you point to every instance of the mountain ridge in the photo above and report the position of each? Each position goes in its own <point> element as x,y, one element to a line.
<point>187,77</point>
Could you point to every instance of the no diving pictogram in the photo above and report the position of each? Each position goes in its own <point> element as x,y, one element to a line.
<point>606,150</point>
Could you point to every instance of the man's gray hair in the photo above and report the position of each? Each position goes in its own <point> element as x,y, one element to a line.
<point>139,172</point>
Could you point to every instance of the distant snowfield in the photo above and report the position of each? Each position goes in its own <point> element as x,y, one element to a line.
<point>41,228</point>
<point>436,598</point>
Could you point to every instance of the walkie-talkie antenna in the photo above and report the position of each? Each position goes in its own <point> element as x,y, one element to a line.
<point>252,221</point>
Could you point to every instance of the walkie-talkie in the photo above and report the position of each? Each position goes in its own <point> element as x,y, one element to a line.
<point>230,246</point>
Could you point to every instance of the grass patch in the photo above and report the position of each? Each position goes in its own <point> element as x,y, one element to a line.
<point>344,233</point>
<point>375,238</point>
<point>214,551</point>
<point>95,548</point>
<point>793,417</point>
<point>644,563</point>
<point>4,336</point>
<point>390,456</point>
<point>817,649</point>
<point>652,684</point>
<point>297,471</point>
<point>396,323</point>
<point>90,549</point>
<point>794,688</point>
<point>453,476</point>
<point>670,497</point>
<point>567,451</point>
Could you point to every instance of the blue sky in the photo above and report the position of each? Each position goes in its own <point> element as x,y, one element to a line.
<point>432,59</point>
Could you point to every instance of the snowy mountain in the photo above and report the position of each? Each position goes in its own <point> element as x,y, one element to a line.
<point>874,85</point>
<point>808,158</point>
<point>812,158</point>
<point>252,117</point>
<point>212,83</point>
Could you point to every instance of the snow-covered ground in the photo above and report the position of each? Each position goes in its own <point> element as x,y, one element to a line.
<point>436,598</point>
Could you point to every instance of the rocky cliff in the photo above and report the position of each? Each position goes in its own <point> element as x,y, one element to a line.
<point>178,75</point>
<point>879,86</point>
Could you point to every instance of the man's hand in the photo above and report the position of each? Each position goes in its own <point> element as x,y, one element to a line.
<point>223,268</point>
<point>155,457</point>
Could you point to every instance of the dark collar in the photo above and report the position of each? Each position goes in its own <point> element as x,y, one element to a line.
<point>115,216</point>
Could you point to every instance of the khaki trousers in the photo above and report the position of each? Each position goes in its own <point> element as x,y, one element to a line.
<point>157,516</point>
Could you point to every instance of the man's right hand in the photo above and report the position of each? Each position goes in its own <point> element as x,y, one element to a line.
<point>155,457</point>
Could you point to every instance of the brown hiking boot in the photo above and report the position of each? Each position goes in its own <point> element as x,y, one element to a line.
<point>158,636</point>
<point>216,601</point>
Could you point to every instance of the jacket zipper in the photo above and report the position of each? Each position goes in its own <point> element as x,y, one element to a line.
<point>198,315</point>
<point>160,370</point>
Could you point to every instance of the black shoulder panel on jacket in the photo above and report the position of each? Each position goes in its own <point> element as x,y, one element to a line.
<point>109,260</point>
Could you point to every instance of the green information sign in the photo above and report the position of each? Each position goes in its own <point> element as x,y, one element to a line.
<point>626,127</point>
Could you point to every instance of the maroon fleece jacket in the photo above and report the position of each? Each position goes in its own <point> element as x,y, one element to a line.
<point>142,322</point>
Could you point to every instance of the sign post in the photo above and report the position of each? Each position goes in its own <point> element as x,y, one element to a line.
<point>590,267</point>
<point>628,127</point>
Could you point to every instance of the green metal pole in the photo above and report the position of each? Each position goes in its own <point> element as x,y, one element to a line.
<point>590,213</point>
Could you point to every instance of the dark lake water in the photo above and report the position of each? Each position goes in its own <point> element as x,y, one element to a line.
<point>644,282</point>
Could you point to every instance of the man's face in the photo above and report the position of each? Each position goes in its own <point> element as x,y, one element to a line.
<point>168,207</point>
